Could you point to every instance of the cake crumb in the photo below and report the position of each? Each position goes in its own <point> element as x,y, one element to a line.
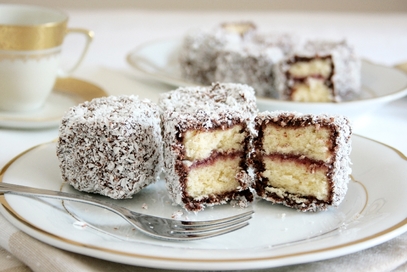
<point>240,202</point>
<point>144,206</point>
<point>177,214</point>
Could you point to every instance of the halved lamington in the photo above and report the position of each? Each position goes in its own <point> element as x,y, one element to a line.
<point>206,134</point>
<point>323,71</point>
<point>302,161</point>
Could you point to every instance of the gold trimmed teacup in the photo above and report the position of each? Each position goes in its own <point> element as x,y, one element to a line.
<point>31,39</point>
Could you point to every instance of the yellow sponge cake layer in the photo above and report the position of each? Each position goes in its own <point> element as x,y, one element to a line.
<point>217,178</point>
<point>311,90</point>
<point>201,144</point>
<point>303,178</point>
<point>313,142</point>
<point>318,66</point>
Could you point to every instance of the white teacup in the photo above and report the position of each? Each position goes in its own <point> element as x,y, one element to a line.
<point>31,38</point>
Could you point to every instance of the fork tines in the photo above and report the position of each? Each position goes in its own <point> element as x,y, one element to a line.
<point>179,230</point>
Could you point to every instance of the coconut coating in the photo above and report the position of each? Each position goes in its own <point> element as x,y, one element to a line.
<point>201,46</point>
<point>252,65</point>
<point>111,146</point>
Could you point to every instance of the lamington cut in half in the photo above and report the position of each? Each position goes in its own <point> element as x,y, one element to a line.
<point>302,161</point>
<point>111,146</point>
<point>206,134</point>
<point>322,71</point>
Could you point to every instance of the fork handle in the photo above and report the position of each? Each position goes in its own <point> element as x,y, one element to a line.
<point>14,189</point>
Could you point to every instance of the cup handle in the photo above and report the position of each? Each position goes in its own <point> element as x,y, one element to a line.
<point>89,37</point>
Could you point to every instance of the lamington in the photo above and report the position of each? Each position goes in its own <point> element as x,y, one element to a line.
<point>206,134</point>
<point>236,52</point>
<point>301,160</point>
<point>200,48</point>
<point>257,62</point>
<point>252,65</point>
<point>322,71</point>
<point>111,146</point>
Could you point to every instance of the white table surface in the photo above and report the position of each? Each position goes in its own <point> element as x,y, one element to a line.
<point>380,38</point>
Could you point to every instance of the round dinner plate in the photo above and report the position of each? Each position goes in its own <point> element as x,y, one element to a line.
<point>380,84</point>
<point>67,92</point>
<point>371,213</point>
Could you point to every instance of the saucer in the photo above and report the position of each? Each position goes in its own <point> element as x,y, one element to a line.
<point>67,92</point>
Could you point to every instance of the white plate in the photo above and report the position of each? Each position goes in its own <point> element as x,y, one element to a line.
<point>380,84</point>
<point>67,92</point>
<point>371,213</point>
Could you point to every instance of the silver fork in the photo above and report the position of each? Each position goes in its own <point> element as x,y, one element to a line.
<point>156,227</point>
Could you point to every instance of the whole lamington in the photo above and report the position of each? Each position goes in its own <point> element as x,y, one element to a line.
<point>111,146</point>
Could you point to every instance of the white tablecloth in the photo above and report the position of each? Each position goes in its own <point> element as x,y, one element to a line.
<point>380,38</point>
